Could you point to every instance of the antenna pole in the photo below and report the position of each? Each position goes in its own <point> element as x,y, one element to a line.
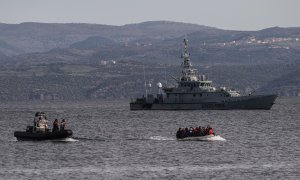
<point>166,75</point>
<point>145,81</point>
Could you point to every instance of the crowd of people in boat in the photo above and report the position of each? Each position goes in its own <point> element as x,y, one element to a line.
<point>194,132</point>
<point>41,124</point>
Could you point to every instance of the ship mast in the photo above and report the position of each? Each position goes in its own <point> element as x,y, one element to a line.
<point>188,74</point>
<point>186,56</point>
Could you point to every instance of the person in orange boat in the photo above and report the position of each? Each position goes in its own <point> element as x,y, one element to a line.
<point>210,131</point>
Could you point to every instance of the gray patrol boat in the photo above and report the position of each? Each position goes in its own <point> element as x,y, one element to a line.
<point>195,92</point>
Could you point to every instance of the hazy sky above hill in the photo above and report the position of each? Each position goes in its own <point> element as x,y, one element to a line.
<point>226,14</point>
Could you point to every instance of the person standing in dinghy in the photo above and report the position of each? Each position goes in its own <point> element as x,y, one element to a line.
<point>63,125</point>
<point>55,126</point>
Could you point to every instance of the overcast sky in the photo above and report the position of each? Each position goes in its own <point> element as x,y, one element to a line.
<point>226,14</point>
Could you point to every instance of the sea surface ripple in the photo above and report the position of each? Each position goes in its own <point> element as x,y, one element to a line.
<point>112,142</point>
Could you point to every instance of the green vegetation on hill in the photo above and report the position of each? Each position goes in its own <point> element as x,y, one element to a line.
<point>126,80</point>
<point>87,61</point>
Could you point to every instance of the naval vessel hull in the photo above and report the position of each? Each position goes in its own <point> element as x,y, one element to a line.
<point>243,102</point>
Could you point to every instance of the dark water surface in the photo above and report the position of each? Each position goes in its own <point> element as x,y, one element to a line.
<point>115,143</point>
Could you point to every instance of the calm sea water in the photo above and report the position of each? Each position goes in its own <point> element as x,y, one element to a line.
<point>111,142</point>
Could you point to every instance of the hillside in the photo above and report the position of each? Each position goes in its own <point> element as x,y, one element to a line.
<point>286,85</point>
<point>40,37</point>
<point>88,61</point>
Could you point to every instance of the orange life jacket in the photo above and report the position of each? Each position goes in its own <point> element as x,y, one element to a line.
<point>210,132</point>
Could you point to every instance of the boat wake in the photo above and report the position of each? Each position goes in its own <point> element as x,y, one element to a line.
<point>65,140</point>
<point>161,138</point>
<point>13,140</point>
<point>89,139</point>
<point>215,138</point>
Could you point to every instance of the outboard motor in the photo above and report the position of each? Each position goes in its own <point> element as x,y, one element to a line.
<point>29,128</point>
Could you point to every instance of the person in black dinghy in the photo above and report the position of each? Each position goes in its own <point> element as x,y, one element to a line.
<point>55,126</point>
<point>40,130</point>
<point>63,124</point>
